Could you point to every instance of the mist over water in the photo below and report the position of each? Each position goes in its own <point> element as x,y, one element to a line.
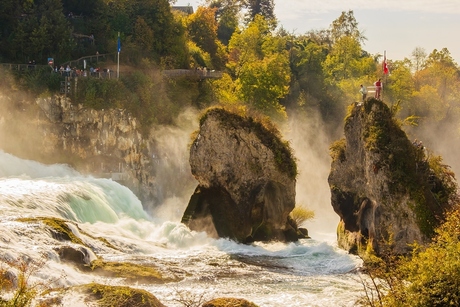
<point>310,142</point>
<point>308,273</point>
<point>173,169</point>
<point>442,140</point>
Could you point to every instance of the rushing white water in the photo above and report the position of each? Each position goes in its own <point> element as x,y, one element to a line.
<point>307,273</point>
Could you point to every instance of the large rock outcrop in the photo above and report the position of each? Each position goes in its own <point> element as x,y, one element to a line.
<point>246,178</point>
<point>382,185</point>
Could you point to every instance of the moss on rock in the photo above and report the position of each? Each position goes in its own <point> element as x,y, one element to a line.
<point>229,302</point>
<point>267,134</point>
<point>130,271</point>
<point>120,296</point>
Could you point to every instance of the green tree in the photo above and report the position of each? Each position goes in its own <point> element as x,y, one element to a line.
<point>346,26</point>
<point>400,85</point>
<point>259,63</point>
<point>42,32</point>
<point>227,12</point>
<point>9,10</point>
<point>264,82</point>
<point>437,88</point>
<point>441,72</point>
<point>265,8</point>
<point>202,29</point>
<point>307,82</point>
<point>143,35</point>
<point>343,62</point>
<point>432,276</point>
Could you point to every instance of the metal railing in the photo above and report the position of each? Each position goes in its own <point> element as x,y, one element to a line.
<point>67,69</point>
<point>199,73</point>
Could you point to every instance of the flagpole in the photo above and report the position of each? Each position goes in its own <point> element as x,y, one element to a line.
<point>383,69</point>
<point>118,57</point>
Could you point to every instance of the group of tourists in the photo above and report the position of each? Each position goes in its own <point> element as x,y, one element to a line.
<point>74,72</point>
<point>378,89</point>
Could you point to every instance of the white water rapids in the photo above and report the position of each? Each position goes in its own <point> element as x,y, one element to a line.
<point>308,273</point>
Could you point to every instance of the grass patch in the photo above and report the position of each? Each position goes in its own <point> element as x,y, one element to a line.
<point>300,214</point>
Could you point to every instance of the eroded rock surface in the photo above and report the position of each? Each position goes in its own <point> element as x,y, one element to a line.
<point>246,178</point>
<point>382,186</point>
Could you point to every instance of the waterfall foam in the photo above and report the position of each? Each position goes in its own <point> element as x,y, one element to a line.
<point>306,273</point>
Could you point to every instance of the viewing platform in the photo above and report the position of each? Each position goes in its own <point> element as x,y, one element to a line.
<point>199,73</point>
<point>88,67</point>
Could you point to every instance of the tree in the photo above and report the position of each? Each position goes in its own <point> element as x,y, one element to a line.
<point>418,58</point>
<point>307,83</point>
<point>265,8</point>
<point>400,85</point>
<point>346,26</point>
<point>9,10</point>
<point>262,83</point>
<point>227,17</point>
<point>427,281</point>
<point>260,64</point>
<point>42,32</point>
<point>441,72</point>
<point>143,35</point>
<point>343,60</point>
<point>202,29</point>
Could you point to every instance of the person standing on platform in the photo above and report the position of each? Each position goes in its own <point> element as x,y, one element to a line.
<point>378,88</point>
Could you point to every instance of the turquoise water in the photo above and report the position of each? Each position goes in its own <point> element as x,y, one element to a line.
<point>306,273</point>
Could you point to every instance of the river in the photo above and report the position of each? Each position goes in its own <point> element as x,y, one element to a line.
<point>312,272</point>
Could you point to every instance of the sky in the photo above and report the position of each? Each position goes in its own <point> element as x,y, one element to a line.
<point>396,27</point>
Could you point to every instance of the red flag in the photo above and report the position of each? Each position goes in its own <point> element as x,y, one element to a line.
<point>385,65</point>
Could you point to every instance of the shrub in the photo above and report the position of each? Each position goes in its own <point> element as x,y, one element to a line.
<point>300,214</point>
<point>18,285</point>
<point>431,277</point>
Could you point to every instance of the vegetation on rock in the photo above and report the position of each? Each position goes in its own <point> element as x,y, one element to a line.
<point>428,277</point>
<point>120,296</point>
<point>129,271</point>
<point>228,302</point>
<point>386,188</point>
<point>19,285</point>
<point>300,214</point>
<point>60,230</point>
<point>269,135</point>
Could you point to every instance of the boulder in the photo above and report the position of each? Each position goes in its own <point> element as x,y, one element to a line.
<point>382,186</point>
<point>78,255</point>
<point>229,302</point>
<point>246,177</point>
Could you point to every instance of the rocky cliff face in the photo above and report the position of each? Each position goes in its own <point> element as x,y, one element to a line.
<point>246,178</point>
<point>104,143</point>
<point>382,186</point>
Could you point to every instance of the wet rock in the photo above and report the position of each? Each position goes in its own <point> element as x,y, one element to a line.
<point>229,302</point>
<point>80,256</point>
